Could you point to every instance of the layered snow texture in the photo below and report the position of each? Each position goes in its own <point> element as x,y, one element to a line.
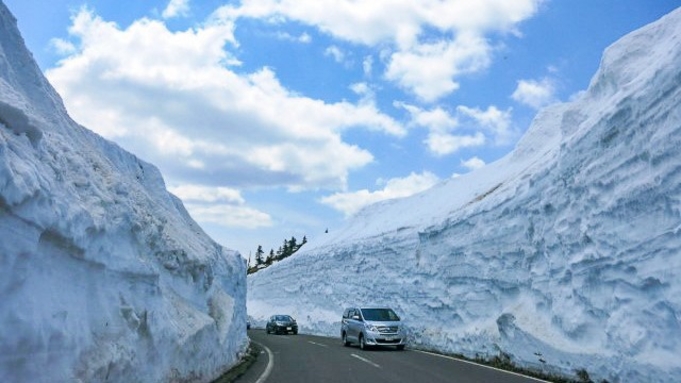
<point>103,274</point>
<point>563,256</point>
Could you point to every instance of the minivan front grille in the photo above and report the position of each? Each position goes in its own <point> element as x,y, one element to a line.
<point>387,329</point>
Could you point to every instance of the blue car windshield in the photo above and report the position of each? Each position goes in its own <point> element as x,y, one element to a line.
<point>283,318</point>
<point>382,315</point>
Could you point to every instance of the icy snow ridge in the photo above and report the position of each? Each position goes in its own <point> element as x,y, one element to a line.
<point>564,255</point>
<point>103,274</point>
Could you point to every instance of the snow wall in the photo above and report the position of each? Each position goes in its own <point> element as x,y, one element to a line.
<point>563,256</point>
<point>103,274</point>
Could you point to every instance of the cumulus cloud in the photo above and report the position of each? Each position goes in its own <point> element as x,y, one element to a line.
<point>62,47</point>
<point>351,203</point>
<point>367,65</point>
<point>335,52</point>
<point>445,133</point>
<point>436,119</point>
<point>496,122</point>
<point>220,205</point>
<point>176,8</point>
<point>442,144</point>
<point>473,163</point>
<point>237,216</point>
<point>455,42</point>
<point>194,193</point>
<point>184,100</point>
<point>429,70</point>
<point>303,38</point>
<point>172,98</point>
<point>535,93</point>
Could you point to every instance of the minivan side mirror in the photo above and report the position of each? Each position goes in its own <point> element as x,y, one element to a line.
<point>356,317</point>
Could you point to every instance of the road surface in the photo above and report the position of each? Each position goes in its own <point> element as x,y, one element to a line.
<point>306,358</point>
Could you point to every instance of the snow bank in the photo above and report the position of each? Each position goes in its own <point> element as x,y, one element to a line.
<point>564,255</point>
<point>103,274</point>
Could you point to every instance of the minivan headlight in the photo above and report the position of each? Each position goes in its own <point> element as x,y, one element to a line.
<point>371,328</point>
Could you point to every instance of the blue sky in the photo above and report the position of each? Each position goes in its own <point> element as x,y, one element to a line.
<point>280,118</point>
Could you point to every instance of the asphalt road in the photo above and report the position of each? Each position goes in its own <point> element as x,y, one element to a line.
<point>306,358</point>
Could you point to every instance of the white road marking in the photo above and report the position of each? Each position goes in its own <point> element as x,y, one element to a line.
<point>317,344</point>
<point>270,364</point>
<point>365,360</point>
<point>481,365</point>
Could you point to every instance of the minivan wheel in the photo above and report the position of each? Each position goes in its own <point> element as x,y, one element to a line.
<point>362,343</point>
<point>345,340</point>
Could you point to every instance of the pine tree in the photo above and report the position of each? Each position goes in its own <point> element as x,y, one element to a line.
<point>286,250</point>
<point>258,256</point>
<point>293,245</point>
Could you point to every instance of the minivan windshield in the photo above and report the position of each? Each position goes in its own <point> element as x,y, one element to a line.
<point>381,315</point>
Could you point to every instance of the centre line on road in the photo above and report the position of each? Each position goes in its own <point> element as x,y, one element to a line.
<point>365,360</point>
<point>317,344</point>
<point>270,364</point>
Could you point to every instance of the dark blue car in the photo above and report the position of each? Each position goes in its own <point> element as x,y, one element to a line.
<point>281,324</point>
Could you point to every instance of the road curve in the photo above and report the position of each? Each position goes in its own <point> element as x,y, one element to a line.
<point>306,358</point>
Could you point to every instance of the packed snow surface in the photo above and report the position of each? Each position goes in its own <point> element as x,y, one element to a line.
<point>103,274</point>
<point>564,255</point>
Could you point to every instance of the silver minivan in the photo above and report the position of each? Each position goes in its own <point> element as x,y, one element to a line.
<point>372,326</point>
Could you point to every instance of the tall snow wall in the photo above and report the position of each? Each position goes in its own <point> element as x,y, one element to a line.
<point>563,256</point>
<point>103,274</point>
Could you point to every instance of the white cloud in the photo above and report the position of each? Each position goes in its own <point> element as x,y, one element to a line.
<point>229,215</point>
<point>62,47</point>
<point>493,120</point>
<point>436,119</point>
<point>443,138</point>
<point>372,22</point>
<point>366,93</point>
<point>433,42</point>
<point>442,144</point>
<point>367,65</point>
<point>303,38</point>
<point>176,8</point>
<point>351,203</point>
<point>360,88</point>
<point>172,98</point>
<point>207,194</point>
<point>336,53</point>
<point>535,93</point>
<point>473,163</point>
<point>429,70</point>
<point>220,205</point>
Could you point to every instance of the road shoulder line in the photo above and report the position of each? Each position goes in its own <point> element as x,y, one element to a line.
<point>481,365</point>
<point>270,364</point>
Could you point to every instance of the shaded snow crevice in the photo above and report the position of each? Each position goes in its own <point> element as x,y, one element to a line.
<point>18,122</point>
